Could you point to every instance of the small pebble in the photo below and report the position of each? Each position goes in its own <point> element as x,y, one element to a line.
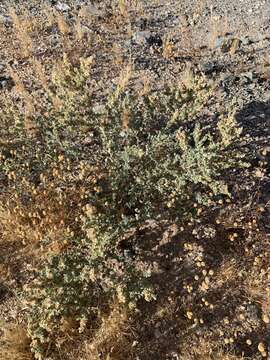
<point>62,6</point>
<point>266,319</point>
<point>261,347</point>
<point>189,315</point>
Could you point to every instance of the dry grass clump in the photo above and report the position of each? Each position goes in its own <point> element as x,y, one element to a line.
<point>15,343</point>
<point>43,212</point>
<point>24,25</point>
<point>112,338</point>
<point>204,349</point>
<point>257,288</point>
<point>227,273</point>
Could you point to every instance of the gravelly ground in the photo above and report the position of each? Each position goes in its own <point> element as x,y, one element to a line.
<point>228,41</point>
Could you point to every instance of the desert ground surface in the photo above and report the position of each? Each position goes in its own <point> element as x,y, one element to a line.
<point>135,180</point>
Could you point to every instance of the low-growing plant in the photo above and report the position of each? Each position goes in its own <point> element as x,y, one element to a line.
<point>132,159</point>
<point>63,290</point>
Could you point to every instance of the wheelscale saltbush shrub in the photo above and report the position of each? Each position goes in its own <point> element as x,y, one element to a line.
<point>138,158</point>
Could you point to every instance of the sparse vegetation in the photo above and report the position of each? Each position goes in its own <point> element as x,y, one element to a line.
<point>123,204</point>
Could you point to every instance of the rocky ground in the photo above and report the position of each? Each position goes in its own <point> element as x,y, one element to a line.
<point>214,274</point>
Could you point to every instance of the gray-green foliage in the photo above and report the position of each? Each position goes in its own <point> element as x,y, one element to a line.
<point>62,290</point>
<point>152,159</point>
<point>153,169</point>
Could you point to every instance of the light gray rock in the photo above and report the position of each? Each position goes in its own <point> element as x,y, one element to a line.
<point>60,6</point>
<point>5,20</point>
<point>141,37</point>
<point>245,40</point>
<point>99,109</point>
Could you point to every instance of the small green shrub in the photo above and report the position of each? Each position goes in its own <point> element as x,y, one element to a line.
<point>140,158</point>
<point>63,290</point>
